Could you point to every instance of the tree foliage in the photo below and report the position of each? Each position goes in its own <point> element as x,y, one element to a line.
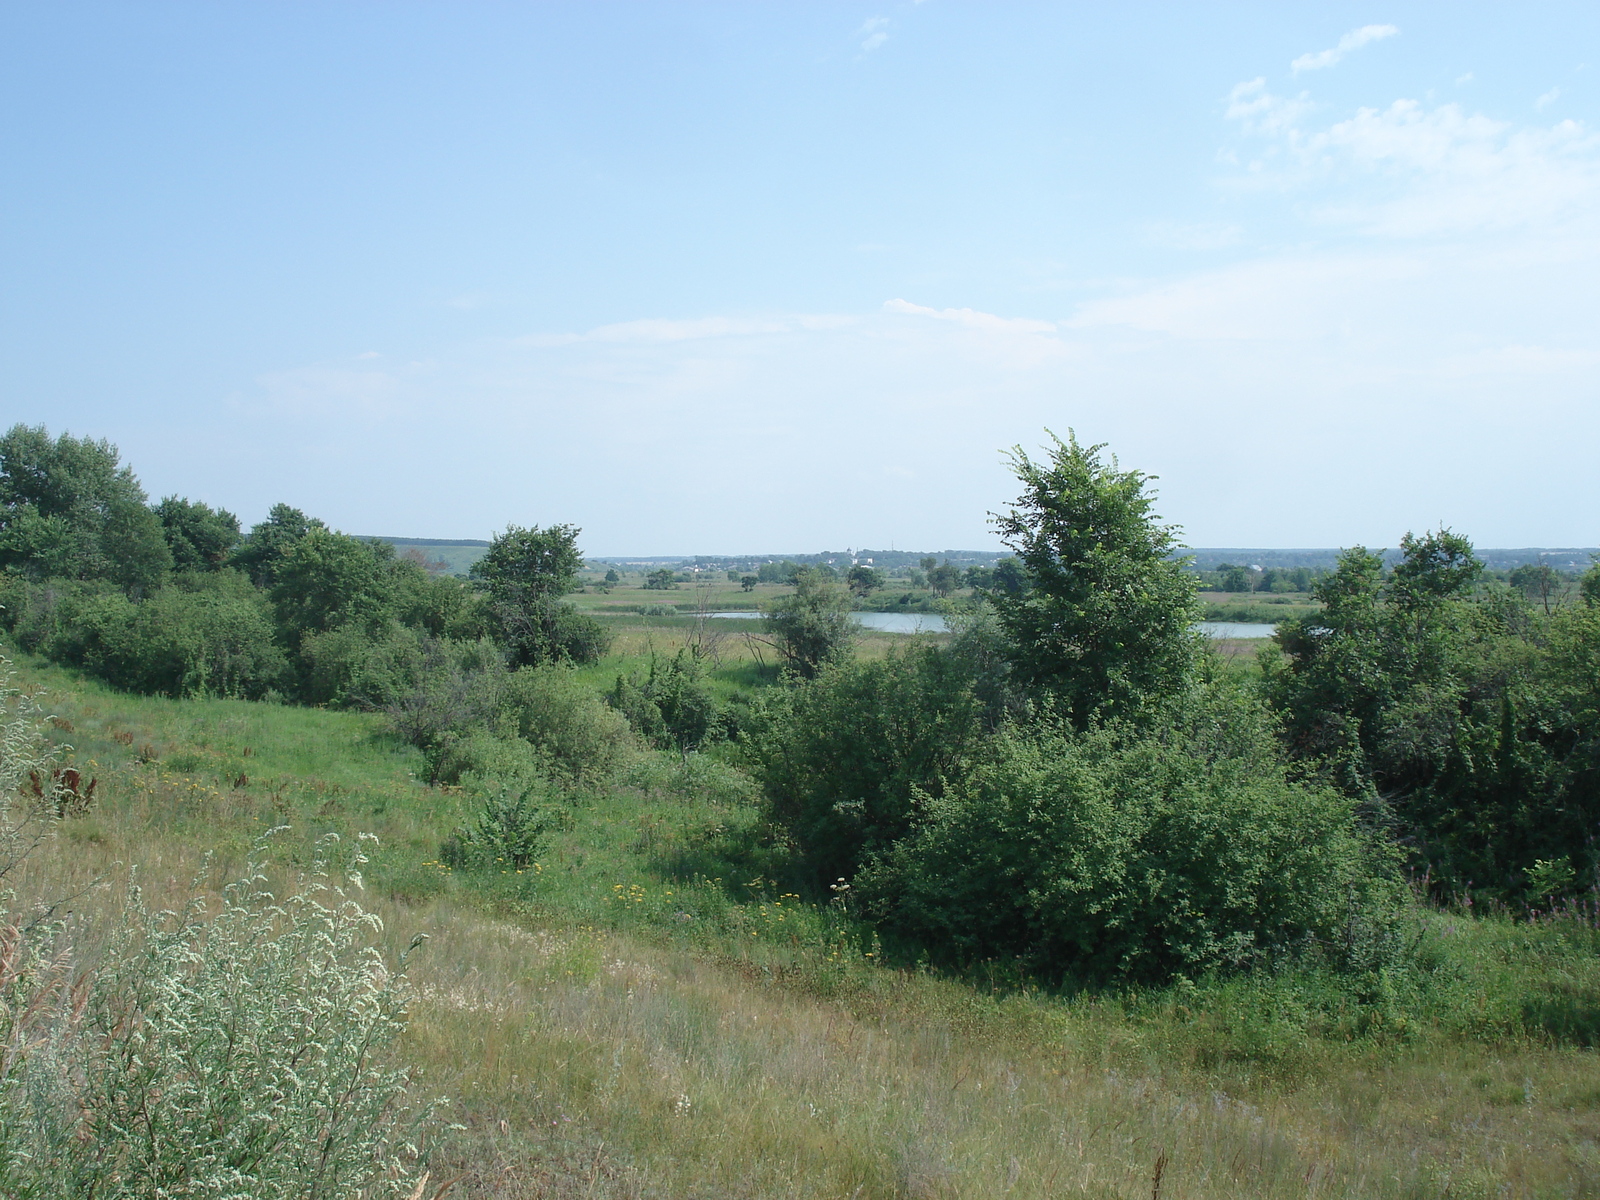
<point>671,706</point>
<point>199,537</point>
<point>811,627</point>
<point>1115,854</point>
<point>261,554</point>
<point>1105,623</point>
<point>69,510</point>
<point>1461,715</point>
<point>526,572</point>
<point>844,758</point>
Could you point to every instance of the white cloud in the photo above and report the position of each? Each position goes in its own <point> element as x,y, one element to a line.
<point>1413,373</point>
<point>874,31</point>
<point>1353,40</point>
<point>664,330</point>
<point>1462,172</point>
<point>1410,170</point>
<point>971,318</point>
<point>1204,235</point>
<point>1546,100</point>
<point>1261,113</point>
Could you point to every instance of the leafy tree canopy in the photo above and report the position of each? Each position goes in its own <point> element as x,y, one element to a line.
<point>863,580</point>
<point>812,626</point>
<point>69,510</point>
<point>526,572</point>
<point>1105,625</point>
<point>262,553</point>
<point>528,565</point>
<point>198,535</point>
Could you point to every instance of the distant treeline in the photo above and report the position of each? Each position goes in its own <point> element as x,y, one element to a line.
<point>884,560</point>
<point>1205,559</point>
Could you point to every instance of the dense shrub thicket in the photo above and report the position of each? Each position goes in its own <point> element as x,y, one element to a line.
<point>1071,780</point>
<point>1139,855</point>
<point>170,600</point>
<point>1465,716</point>
<point>846,759</point>
<point>1074,783</point>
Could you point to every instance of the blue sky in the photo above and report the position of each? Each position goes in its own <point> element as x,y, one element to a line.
<point>720,278</point>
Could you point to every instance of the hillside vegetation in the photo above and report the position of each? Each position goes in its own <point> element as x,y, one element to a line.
<point>1062,903</point>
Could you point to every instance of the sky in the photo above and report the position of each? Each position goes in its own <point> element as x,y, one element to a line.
<point>740,278</point>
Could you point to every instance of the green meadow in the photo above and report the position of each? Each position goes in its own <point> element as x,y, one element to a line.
<point>653,1008</point>
<point>331,874</point>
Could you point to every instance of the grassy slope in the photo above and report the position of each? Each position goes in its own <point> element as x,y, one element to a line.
<point>647,1014</point>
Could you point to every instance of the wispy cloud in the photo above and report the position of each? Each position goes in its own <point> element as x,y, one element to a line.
<point>1413,170</point>
<point>971,318</point>
<point>658,329</point>
<point>1397,358</point>
<point>1260,112</point>
<point>874,32</point>
<point>1353,40</point>
<point>1546,100</point>
<point>1205,235</point>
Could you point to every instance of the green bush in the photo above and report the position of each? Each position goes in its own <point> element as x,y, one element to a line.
<point>206,634</point>
<point>811,627</point>
<point>1117,855</point>
<point>365,667</point>
<point>671,706</point>
<point>509,832</point>
<point>583,739</point>
<point>1465,715</point>
<point>477,756</point>
<point>842,758</point>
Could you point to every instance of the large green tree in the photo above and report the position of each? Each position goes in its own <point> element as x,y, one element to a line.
<point>70,510</point>
<point>1105,624</point>
<point>198,535</point>
<point>526,573</point>
<point>263,552</point>
<point>1462,713</point>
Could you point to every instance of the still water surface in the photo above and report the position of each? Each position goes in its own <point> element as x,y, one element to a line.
<point>932,623</point>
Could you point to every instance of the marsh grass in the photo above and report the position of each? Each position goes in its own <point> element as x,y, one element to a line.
<point>653,1010</point>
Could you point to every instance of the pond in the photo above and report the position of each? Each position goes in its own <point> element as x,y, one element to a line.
<point>882,622</point>
<point>1236,629</point>
<point>932,623</point>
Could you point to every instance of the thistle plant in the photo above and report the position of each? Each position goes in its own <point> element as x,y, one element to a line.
<point>243,1054</point>
<point>511,827</point>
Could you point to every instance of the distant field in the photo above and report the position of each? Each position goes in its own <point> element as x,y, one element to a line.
<point>1257,606</point>
<point>719,595</point>
<point>457,557</point>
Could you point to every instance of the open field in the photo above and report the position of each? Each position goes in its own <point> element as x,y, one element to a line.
<point>653,1011</point>
<point>1262,607</point>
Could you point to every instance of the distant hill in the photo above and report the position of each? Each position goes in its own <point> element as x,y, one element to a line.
<point>457,556</point>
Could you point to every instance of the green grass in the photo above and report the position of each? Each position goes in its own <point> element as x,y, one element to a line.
<point>457,557</point>
<point>653,1010</point>
<point>1256,607</point>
